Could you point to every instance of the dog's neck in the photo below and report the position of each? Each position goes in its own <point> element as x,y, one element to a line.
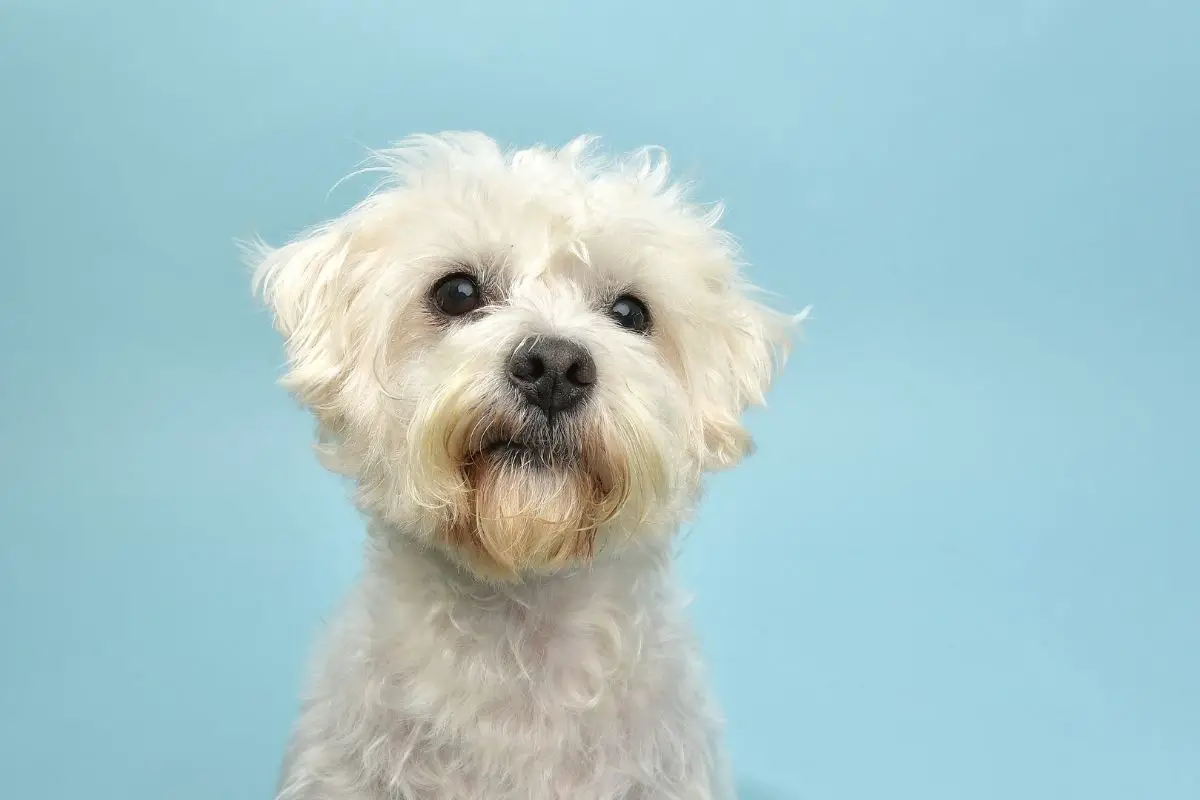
<point>406,576</point>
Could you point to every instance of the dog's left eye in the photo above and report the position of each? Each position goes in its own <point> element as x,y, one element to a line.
<point>456,295</point>
<point>631,313</point>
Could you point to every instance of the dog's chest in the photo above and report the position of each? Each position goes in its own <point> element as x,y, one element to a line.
<point>538,706</point>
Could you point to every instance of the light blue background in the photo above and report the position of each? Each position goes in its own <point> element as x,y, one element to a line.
<point>963,565</point>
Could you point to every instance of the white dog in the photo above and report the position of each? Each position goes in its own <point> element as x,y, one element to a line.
<point>526,362</point>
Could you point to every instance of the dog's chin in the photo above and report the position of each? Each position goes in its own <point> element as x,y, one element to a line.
<point>531,510</point>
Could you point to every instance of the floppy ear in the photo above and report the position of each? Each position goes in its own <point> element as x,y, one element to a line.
<point>307,286</point>
<point>746,354</point>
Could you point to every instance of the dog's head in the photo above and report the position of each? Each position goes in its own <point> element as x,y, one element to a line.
<point>523,358</point>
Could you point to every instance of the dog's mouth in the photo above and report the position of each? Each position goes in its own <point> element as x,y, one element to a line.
<point>541,451</point>
<point>516,451</point>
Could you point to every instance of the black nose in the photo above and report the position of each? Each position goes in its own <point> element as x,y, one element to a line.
<point>552,373</point>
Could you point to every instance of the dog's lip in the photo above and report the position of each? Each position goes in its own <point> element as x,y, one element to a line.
<point>506,444</point>
<point>525,452</point>
<point>513,447</point>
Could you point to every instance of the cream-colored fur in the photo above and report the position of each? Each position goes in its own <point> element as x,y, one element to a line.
<point>517,634</point>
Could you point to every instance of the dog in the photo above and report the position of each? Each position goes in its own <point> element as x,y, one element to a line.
<point>526,361</point>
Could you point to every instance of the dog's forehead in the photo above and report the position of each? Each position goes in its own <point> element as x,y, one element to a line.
<point>539,225</point>
<point>539,239</point>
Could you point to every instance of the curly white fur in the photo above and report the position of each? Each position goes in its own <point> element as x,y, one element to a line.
<point>517,634</point>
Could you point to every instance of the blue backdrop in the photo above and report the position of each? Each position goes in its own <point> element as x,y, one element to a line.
<point>964,562</point>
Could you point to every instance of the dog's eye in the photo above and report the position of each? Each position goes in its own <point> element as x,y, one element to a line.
<point>630,313</point>
<point>457,295</point>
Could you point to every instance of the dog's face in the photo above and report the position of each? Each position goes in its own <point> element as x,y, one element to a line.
<point>523,358</point>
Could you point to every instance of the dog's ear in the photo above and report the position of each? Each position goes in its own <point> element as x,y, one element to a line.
<point>745,355</point>
<point>309,287</point>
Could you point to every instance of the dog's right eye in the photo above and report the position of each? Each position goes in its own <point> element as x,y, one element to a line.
<point>630,313</point>
<point>456,295</point>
